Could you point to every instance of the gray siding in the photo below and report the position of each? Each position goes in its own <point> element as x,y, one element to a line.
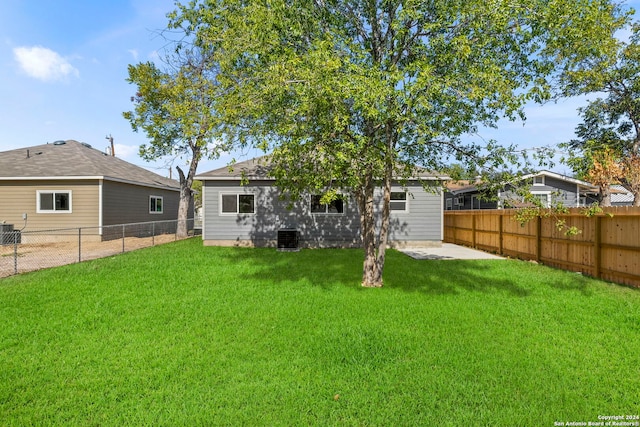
<point>422,222</point>
<point>126,203</point>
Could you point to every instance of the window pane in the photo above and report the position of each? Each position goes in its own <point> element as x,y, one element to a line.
<point>46,201</point>
<point>337,206</point>
<point>159,205</point>
<point>398,201</point>
<point>229,203</point>
<point>246,203</point>
<point>152,204</point>
<point>398,206</point>
<point>316,206</point>
<point>62,201</point>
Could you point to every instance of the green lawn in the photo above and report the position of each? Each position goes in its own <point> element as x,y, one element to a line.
<point>182,334</point>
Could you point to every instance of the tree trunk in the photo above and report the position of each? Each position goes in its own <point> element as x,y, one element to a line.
<point>186,196</point>
<point>605,196</point>
<point>371,270</point>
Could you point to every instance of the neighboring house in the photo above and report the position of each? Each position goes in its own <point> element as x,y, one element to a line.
<point>620,196</point>
<point>254,214</point>
<point>68,184</point>
<point>549,187</point>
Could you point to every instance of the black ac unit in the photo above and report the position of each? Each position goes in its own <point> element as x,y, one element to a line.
<point>9,236</point>
<point>288,239</point>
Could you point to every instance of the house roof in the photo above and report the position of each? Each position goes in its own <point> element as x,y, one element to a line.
<point>619,194</point>
<point>258,169</point>
<point>74,160</point>
<point>460,187</point>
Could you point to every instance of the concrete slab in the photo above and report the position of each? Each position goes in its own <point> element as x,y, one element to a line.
<point>448,251</point>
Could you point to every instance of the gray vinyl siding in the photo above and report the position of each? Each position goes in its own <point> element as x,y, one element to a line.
<point>422,222</point>
<point>126,203</point>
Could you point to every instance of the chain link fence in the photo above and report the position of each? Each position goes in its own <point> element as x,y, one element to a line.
<point>22,251</point>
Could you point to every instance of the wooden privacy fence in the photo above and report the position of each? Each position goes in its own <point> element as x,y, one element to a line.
<point>607,247</point>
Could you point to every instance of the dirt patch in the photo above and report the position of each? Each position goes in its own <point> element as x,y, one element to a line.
<point>36,256</point>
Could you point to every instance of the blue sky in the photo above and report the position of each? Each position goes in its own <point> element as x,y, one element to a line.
<point>63,65</point>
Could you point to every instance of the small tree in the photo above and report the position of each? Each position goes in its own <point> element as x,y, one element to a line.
<point>176,109</point>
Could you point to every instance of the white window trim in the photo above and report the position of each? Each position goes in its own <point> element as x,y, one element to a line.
<point>546,193</point>
<point>53,211</point>
<point>326,207</point>
<point>236,213</point>
<point>539,184</point>
<point>161,203</point>
<point>406,202</point>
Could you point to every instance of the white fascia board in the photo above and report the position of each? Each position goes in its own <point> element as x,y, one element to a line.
<point>86,178</point>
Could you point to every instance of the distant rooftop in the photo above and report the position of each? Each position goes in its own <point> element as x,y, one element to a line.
<point>72,159</point>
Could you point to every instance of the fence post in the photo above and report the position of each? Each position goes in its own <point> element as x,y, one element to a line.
<point>538,239</point>
<point>15,252</point>
<point>500,231</point>
<point>473,230</point>
<point>79,244</point>
<point>597,256</point>
<point>123,226</point>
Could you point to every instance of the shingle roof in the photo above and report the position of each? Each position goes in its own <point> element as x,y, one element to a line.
<point>71,159</point>
<point>258,168</point>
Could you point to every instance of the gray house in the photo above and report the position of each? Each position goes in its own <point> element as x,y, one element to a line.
<point>254,214</point>
<point>549,187</point>
<point>68,184</point>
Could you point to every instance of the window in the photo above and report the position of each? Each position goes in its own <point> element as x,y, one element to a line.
<point>335,207</point>
<point>54,201</point>
<point>449,203</point>
<point>538,180</point>
<point>155,204</point>
<point>398,201</point>
<point>237,203</point>
<point>545,198</point>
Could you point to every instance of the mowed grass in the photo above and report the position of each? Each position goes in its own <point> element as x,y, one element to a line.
<point>183,334</point>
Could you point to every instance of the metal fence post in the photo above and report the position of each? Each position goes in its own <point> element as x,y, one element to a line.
<point>15,252</point>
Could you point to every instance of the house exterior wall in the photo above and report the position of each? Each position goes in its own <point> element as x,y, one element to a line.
<point>127,203</point>
<point>18,197</point>
<point>421,223</point>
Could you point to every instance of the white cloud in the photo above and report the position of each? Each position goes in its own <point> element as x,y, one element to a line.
<point>134,53</point>
<point>43,64</point>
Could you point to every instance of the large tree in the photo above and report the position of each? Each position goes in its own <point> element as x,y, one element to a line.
<point>175,107</point>
<point>353,94</point>
<point>613,122</point>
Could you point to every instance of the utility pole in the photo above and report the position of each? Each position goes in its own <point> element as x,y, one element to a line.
<point>110,139</point>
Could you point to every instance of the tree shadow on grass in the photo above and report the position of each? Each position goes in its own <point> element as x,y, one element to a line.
<point>327,268</point>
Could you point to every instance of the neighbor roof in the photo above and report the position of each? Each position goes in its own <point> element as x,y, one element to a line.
<point>74,160</point>
<point>470,187</point>
<point>259,168</point>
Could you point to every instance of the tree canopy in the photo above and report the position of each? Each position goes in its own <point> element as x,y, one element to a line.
<point>176,109</point>
<point>354,94</point>
<point>611,125</point>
